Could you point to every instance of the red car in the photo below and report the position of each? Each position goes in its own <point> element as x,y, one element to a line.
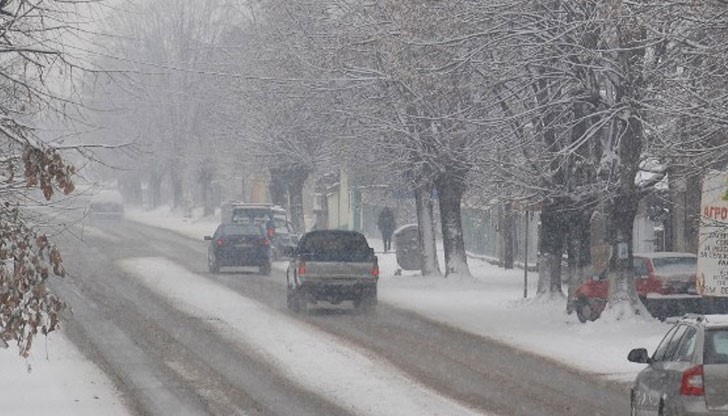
<point>669,275</point>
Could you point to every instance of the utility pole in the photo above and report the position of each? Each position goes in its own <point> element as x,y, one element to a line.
<point>525,259</point>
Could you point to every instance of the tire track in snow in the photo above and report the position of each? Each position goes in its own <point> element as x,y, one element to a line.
<point>317,361</point>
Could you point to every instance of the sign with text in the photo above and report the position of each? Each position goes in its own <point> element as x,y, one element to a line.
<point>713,247</point>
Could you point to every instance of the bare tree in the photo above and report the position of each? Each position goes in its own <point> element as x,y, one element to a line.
<point>34,47</point>
<point>163,92</point>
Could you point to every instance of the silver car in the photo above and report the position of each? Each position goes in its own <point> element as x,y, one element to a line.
<point>688,373</point>
<point>332,266</point>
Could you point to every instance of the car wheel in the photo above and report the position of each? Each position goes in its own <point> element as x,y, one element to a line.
<point>366,303</point>
<point>585,311</point>
<point>580,312</point>
<point>212,265</point>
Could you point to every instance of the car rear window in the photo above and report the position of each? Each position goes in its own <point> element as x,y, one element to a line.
<point>241,229</point>
<point>335,246</point>
<point>675,265</point>
<point>716,346</point>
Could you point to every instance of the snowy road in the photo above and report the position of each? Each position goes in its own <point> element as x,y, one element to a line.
<point>178,340</point>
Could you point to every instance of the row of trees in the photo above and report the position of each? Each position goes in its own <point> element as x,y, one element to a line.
<point>571,106</point>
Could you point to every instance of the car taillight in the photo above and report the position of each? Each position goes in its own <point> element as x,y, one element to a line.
<point>375,269</point>
<point>301,268</point>
<point>220,242</point>
<point>271,232</point>
<point>692,382</point>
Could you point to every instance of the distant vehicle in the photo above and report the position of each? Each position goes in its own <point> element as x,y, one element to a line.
<point>275,219</point>
<point>239,245</point>
<point>107,205</point>
<point>688,373</point>
<point>332,266</point>
<point>665,281</point>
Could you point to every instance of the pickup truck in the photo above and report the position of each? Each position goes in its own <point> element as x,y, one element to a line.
<point>332,266</point>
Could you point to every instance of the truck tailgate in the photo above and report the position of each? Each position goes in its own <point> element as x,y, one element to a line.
<point>339,272</point>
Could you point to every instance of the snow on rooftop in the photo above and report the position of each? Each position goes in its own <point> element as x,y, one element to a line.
<point>716,320</point>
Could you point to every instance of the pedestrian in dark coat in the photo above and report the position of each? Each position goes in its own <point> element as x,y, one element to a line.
<point>386,224</point>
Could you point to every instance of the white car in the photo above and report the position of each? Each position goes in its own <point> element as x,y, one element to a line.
<point>107,205</point>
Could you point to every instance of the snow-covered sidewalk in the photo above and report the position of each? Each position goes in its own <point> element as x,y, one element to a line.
<point>55,380</point>
<point>489,304</point>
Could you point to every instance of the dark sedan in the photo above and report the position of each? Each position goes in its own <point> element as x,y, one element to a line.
<point>239,245</point>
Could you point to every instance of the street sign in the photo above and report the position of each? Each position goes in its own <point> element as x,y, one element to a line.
<point>713,242</point>
<point>622,251</point>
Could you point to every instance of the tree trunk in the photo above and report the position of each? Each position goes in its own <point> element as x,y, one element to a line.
<point>450,189</point>
<point>208,208</point>
<point>552,249</point>
<point>579,251</point>
<point>177,191</point>
<point>508,230</point>
<point>622,292</point>
<point>692,209</point>
<point>277,187</point>
<point>425,223</point>
<point>296,180</point>
<point>685,194</point>
<point>669,231</point>
<point>322,216</point>
<point>155,185</point>
<point>628,134</point>
<point>131,187</point>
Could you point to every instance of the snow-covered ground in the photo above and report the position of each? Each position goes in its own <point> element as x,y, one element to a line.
<point>492,305</point>
<point>317,361</point>
<point>489,304</point>
<point>55,380</point>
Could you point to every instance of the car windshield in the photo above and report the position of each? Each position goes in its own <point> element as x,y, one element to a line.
<point>281,224</point>
<point>335,246</point>
<point>250,215</point>
<point>675,265</point>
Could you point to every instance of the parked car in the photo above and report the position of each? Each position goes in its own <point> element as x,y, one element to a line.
<point>688,372</point>
<point>279,229</point>
<point>107,205</point>
<point>239,245</point>
<point>664,281</point>
<point>332,266</point>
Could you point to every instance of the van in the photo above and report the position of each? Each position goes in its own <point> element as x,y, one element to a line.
<point>275,219</point>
